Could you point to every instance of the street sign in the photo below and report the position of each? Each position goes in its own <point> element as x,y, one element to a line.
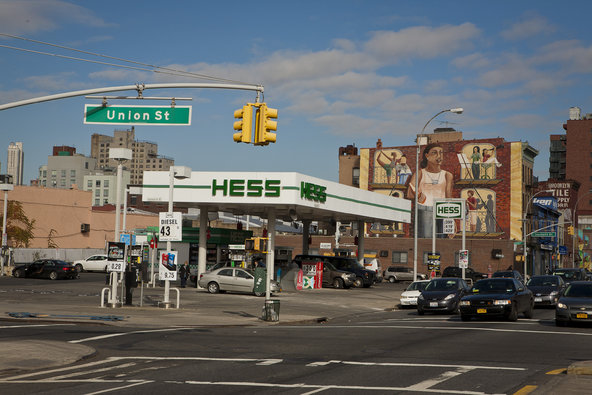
<point>170,226</point>
<point>449,228</point>
<point>543,234</point>
<point>133,115</point>
<point>449,209</point>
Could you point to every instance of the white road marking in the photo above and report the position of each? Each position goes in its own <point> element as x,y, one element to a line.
<point>32,326</point>
<point>405,364</point>
<point>119,388</point>
<point>88,339</point>
<point>426,384</point>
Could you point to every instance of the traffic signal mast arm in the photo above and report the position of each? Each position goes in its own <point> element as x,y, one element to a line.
<point>545,227</point>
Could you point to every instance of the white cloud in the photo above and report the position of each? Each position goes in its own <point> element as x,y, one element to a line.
<point>532,26</point>
<point>30,16</point>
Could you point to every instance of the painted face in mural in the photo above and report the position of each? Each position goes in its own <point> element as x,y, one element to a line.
<point>434,158</point>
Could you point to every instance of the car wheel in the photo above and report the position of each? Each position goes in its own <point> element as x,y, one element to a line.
<point>259,294</point>
<point>529,313</point>
<point>465,317</point>
<point>17,274</point>
<point>338,283</point>
<point>359,283</point>
<point>513,316</point>
<point>391,280</point>
<point>53,275</point>
<point>213,288</point>
<point>78,268</point>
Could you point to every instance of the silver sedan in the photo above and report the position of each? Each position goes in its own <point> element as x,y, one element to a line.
<point>232,279</point>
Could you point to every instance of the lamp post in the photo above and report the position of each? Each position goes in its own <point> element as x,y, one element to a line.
<point>5,185</point>
<point>120,155</point>
<point>419,140</point>
<point>524,252</point>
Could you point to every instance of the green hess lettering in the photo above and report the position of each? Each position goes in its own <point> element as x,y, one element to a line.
<point>312,191</point>
<point>250,188</point>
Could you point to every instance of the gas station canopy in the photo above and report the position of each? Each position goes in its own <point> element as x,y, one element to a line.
<point>292,196</point>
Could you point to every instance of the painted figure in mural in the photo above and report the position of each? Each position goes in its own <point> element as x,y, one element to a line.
<point>433,183</point>
<point>476,162</point>
<point>489,217</point>
<point>472,207</point>
<point>388,165</point>
<point>403,170</point>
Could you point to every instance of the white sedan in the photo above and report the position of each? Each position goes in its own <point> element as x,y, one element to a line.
<point>410,295</point>
<point>232,279</point>
<point>94,263</point>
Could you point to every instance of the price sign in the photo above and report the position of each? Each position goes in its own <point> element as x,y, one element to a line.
<point>115,266</point>
<point>170,226</point>
<point>449,226</point>
<point>167,269</point>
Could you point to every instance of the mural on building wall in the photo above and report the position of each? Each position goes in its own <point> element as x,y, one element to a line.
<point>391,167</point>
<point>478,162</point>
<point>480,204</point>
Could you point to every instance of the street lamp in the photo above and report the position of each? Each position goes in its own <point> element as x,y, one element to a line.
<point>524,253</point>
<point>5,185</point>
<point>419,140</point>
<point>120,155</point>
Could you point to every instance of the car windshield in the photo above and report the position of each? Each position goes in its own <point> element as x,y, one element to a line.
<point>579,291</point>
<point>545,281</point>
<point>567,274</point>
<point>493,286</point>
<point>503,274</point>
<point>441,285</point>
<point>355,263</point>
<point>417,286</point>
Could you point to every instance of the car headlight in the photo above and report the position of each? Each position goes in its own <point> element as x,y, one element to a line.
<point>465,302</point>
<point>502,302</point>
<point>561,306</point>
<point>420,297</point>
<point>448,297</point>
<point>554,293</point>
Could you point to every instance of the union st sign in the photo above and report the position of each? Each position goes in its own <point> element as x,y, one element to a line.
<point>133,115</point>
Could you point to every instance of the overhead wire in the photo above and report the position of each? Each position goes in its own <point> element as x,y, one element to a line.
<point>167,70</point>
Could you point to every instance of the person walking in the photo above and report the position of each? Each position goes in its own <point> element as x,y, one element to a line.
<point>184,273</point>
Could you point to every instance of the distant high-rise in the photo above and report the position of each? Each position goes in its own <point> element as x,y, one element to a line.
<point>15,162</point>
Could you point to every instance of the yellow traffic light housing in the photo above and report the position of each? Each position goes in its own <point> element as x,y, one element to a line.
<point>244,124</point>
<point>263,125</point>
<point>256,244</point>
<point>570,230</point>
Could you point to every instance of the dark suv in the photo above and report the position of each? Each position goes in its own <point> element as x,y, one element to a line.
<point>453,271</point>
<point>364,277</point>
<point>571,274</point>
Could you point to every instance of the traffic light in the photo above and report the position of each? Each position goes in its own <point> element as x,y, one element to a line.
<point>244,124</point>
<point>257,244</point>
<point>570,230</point>
<point>264,124</point>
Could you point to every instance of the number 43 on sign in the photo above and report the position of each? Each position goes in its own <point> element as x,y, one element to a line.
<point>170,226</point>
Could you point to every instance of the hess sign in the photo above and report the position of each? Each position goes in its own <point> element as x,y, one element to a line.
<point>449,209</point>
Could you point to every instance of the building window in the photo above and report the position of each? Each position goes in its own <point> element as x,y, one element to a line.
<point>72,173</point>
<point>133,200</point>
<point>89,183</point>
<point>98,183</point>
<point>399,257</point>
<point>97,192</point>
<point>356,176</point>
<point>72,181</point>
<point>105,192</point>
<point>63,173</point>
<point>106,183</point>
<point>97,202</point>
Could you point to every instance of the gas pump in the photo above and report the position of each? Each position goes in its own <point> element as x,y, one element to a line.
<point>237,255</point>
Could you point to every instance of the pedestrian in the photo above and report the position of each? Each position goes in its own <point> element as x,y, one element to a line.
<point>184,273</point>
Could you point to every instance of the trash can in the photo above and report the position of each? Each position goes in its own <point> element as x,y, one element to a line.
<point>260,280</point>
<point>271,310</point>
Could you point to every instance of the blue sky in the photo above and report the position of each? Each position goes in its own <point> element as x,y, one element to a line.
<point>339,72</point>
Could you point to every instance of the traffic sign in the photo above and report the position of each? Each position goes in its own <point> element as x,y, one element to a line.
<point>170,226</point>
<point>543,234</point>
<point>133,115</point>
<point>449,209</point>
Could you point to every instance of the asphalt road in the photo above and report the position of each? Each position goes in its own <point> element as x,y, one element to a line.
<point>378,352</point>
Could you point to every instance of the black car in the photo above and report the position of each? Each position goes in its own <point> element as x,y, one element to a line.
<point>453,271</point>
<point>364,278</point>
<point>509,274</point>
<point>571,274</point>
<point>502,297</point>
<point>442,294</point>
<point>46,268</point>
<point>575,304</point>
<point>546,289</point>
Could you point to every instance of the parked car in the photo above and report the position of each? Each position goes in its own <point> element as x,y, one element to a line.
<point>442,294</point>
<point>410,295</point>
<point>571,274</point>
<point>337,278</point>
<point>394,274</point>
<point>501,297</point>
<point>374,265</point>
<point>232,279</point>
<point>546,289</point>
<point>509,274</point>
<point>46,268</point>
<point>453,271</point>
<point>364,277</point>
<point>575,305</point>
<point>94,263</point>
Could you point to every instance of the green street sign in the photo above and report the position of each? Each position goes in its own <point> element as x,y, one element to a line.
<point>543,234</point>
<point>133,115</point>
